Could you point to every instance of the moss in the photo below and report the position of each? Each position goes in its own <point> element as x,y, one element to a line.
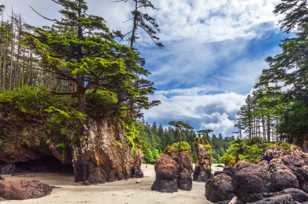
<point>178,146</point>
<point>251,150</point>
<point>131,132</point>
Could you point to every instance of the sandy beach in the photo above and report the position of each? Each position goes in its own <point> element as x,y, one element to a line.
<point>132,191</point>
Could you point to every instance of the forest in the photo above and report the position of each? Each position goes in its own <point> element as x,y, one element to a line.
<point>73,97</point>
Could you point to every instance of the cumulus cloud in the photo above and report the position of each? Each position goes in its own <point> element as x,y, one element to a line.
<point>196,106</point>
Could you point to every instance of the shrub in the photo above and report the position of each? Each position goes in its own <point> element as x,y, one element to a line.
<point>179,146</point>
<point>250,150</point>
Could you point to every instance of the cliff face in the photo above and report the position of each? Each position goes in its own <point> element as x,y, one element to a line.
<point>105,154</point>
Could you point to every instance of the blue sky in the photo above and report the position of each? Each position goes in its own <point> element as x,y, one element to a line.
<point>214,52</point>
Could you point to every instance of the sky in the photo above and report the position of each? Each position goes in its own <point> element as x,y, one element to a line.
<point>214,52</point>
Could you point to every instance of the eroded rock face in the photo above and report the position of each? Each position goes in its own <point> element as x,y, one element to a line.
<point>202,170</point>
<point>166,175</point>
<point>219,188</point>
<point>185,171</point>
<point>137,172</point>
<point>105,155</point>
<point>22,190</point>
<point>280,178</point>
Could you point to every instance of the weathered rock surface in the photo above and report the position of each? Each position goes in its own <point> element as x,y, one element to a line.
<point>185,170</point>
<point>137,172</point>
<point>104,155</point>
<point>202,170</point>
<point>22,190</point>
<point>280,178</point>
<point>173,171</point>
<point>102,159</point>
<point>219,188</point>
<point>166,175</point>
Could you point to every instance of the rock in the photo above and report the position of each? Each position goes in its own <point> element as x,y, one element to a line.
<point>22,189</point>
<point>101,158</point>
<point>297,194</point>
<point>137,172</point>
<point>166,175</point>
<point>219,188</point>
<point>279,199</point>
<point>185,171</point>
<point>185,180</point>
<point>104,153</point>
<point>250,182</point>
<point>202,170</point>
<point>282,177</point>
<point>7,169</point>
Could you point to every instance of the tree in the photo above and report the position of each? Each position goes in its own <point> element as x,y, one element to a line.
<point>295,12</point>
<point>80,49</point>
<point>143,21</point>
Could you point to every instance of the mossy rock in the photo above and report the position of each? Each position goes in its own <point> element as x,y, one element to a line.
<point>181,146</point>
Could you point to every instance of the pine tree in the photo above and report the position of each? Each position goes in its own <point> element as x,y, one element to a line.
<point>143,21</point>
<point>80,48</point>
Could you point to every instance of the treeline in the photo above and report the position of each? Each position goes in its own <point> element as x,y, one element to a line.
<point>277,109</point>
<point>156,139</point>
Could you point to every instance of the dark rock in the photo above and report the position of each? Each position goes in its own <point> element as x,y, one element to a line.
<point>202,170</point>
<point>279,199</point>
<point>251,181</point>
<point>185,180</point>
<point>297,194</point>
<point>219,188</point>
<point>7,169</point>
<point>22,190</point>
<point>166,175</point>
<point>185,171</point>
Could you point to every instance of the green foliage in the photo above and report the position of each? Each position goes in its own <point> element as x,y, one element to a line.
<point>181,146</point>
<point>250,150</point>
<point>150,155</point>
<point>35,105</point>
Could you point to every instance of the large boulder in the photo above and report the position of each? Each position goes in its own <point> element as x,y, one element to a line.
<point>202,170</point>
<point>22,189</point>
<point>166,175</point>
<point>251,181</point>
<point>219,188</point>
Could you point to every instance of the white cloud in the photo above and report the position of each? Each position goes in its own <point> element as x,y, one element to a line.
<point>206,20</point>
<point>213,20</point>
<point>195,106</point>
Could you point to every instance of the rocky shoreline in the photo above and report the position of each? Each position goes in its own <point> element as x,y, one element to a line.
<point>281,177</point>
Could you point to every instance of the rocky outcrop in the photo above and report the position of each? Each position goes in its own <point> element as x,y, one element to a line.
<point>185,171</point>
<point>166,175</point>
<point>280,178</point>
<point>219,188</point>
<point>173,172</point>
<point>104,153</point>
<point>22,190</point>
<point>202,170</point>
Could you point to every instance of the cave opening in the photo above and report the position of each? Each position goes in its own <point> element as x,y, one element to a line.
<point>46,164</point>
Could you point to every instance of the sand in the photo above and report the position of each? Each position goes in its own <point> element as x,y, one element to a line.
<point>132,191</point>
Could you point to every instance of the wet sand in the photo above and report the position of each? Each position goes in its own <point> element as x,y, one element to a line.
<point>132,191</point>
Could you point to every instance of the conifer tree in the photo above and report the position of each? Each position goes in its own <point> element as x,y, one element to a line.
<point>143,21</point>
<point>81,49</point>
